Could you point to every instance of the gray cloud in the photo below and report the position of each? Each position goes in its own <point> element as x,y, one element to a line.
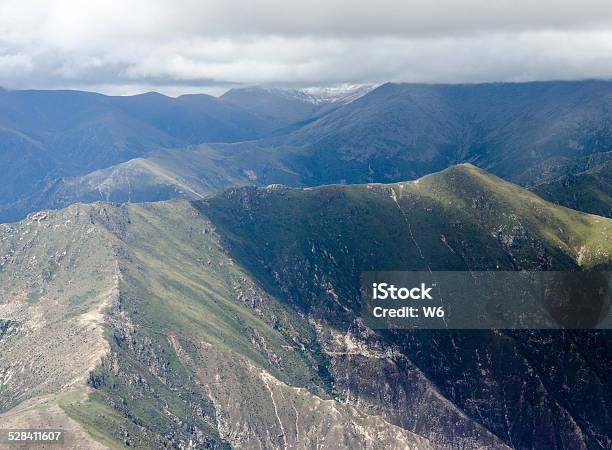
<point>122,46</point>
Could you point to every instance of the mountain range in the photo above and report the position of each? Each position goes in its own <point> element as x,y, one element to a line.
<point>46,136</point>
<point>85,147</point>
<point>233,321</point>
<point>184,272</point>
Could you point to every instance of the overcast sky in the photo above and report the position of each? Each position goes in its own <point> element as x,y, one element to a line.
<point>175,46</point>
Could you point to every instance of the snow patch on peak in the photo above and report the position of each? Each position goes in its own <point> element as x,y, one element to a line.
<point>343,93</point>
<point>321,95</point>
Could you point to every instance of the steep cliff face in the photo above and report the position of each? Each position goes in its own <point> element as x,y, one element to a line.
<point>233,321</point>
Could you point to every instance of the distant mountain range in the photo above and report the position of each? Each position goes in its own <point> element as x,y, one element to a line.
<point>233,321</point>
<point>48,135</point>
<point>64,147</point>
<point>523,132</point>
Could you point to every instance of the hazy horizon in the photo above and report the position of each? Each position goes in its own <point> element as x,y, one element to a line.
<point>219,91</point>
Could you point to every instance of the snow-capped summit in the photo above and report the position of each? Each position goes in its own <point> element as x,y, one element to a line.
<point>343,93</point>
<point>316,95</point>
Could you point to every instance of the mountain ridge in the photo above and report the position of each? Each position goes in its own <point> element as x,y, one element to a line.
<point>219,336</point>
<point>528,133</point>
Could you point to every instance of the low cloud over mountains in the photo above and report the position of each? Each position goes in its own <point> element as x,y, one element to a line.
<point>183,46</point>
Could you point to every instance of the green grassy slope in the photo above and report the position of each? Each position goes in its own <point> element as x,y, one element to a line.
<point>461,218</point>
<point>193,336</point>
<point>234,319</point>
<point>179,289</point>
